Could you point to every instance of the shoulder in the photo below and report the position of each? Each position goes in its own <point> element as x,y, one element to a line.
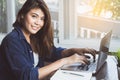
<point>12,43</point>
<point>16,33</point>
<point>12,37</point>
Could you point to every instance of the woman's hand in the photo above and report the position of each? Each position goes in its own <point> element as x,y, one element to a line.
<point>80,51</point>
<point>75,58</point>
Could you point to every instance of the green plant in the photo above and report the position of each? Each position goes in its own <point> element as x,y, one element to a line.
<point>117,54</point>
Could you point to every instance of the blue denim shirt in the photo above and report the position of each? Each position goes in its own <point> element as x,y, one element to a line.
<point>16,58</point>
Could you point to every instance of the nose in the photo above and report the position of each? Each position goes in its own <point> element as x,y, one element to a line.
<point>38,22</point>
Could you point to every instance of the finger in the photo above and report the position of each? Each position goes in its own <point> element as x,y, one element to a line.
<point>94,56</point>
<point>92,52</point>
<point>84,60</point>
<point>88,57</point>
<point>79,53</point>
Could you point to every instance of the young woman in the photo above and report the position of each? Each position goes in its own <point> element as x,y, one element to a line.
<point>30,44</point>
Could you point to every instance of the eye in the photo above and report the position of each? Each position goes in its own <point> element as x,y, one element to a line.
<point>34,16</point>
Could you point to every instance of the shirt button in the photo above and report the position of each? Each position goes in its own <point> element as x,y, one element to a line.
<point>30,51</point>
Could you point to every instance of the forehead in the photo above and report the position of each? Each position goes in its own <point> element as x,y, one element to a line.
<point>37,11</point>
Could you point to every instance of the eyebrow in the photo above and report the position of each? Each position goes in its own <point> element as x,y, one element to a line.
<point>34,13</point>
<point>37,14</point>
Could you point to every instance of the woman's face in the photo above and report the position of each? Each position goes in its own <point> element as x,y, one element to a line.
<point>34,21</point>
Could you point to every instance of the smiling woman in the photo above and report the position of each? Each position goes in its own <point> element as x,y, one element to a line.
<point>25,49</point>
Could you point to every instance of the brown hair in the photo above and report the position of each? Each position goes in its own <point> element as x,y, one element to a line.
<point>42,41</point>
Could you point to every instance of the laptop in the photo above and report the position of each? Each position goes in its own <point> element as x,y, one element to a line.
<point>93,67</point>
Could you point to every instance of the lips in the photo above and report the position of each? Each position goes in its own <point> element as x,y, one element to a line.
<point>35,28</point>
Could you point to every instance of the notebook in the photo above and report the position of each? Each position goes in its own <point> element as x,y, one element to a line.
<point>93,67</point>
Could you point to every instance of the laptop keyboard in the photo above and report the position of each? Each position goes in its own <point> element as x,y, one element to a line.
<point>83,67</point>
<point>86,67</point>
<point>92,66</point>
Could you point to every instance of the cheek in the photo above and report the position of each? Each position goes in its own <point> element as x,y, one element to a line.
<point>43,23</point>
<point>27,21</point>
<point>30,20</point>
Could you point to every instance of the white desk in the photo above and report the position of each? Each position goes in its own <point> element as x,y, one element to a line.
<point>109,70</point>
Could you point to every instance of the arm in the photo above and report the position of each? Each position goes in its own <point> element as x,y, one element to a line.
<point>80,51</point>
<point>57,56</point>
<point>44,71</point>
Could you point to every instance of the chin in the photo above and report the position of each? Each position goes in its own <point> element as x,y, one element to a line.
<point>33,32</point>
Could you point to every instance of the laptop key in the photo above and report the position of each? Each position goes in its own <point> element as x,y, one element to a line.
<point>83,67</point>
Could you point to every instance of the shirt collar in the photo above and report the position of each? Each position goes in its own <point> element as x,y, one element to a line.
<point>21,35</point>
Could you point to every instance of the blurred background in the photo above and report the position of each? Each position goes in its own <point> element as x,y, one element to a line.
<point>76,23</point>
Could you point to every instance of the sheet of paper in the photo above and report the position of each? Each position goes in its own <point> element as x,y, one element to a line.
<point>71,75</point>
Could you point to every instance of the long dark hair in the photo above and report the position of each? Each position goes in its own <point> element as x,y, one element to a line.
<point>42,41</point>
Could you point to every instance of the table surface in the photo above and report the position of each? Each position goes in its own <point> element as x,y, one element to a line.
<point>109,70</point>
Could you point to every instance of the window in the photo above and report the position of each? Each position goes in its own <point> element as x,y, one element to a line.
<point>96,17</point>
<point>18,5</point>
<point>84,22</point>
<point>3,16</point>
<point>3,19</point>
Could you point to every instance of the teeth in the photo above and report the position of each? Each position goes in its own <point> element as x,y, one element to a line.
<point>34,27</point>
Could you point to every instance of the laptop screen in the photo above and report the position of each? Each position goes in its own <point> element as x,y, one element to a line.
<point>105,42</point>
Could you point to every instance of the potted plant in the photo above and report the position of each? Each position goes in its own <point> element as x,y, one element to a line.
<point>117,54</point>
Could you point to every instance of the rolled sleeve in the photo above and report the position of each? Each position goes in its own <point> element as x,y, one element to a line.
<point>56,54</point>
